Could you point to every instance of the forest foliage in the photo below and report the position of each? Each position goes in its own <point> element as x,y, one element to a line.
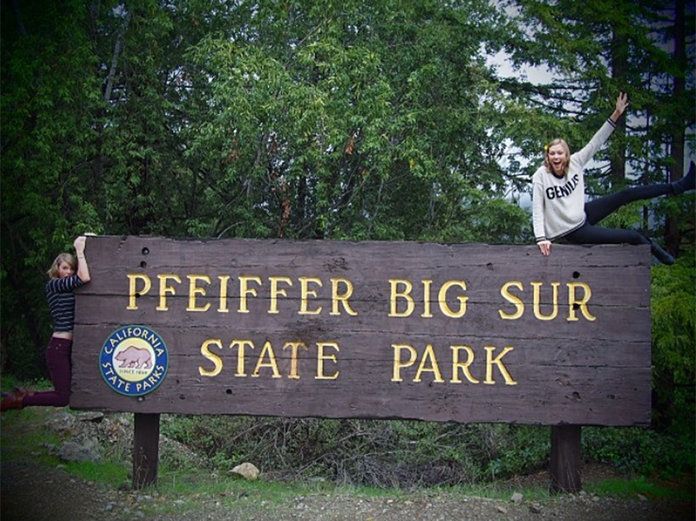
<point>333,120</point>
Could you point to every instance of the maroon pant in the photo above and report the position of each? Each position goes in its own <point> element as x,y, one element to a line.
<point>58,362</point>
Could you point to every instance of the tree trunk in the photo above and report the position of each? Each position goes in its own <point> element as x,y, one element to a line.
<point>118,47</point>
<point>21,29</point>
<point>619,67</point>
<point>672,234</point>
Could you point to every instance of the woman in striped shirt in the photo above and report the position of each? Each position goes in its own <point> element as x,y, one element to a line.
<point>66,274</point>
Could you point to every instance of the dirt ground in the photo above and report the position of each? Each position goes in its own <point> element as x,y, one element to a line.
<point>30,492</point>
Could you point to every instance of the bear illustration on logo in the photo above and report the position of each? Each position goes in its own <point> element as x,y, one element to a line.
<point>133,356</point>
<point>133,360</point>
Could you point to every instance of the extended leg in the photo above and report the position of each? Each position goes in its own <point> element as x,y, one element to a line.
<point>599,208</point>
<point>58,361</point>
<point>686,183</point>
<point>589,234</point>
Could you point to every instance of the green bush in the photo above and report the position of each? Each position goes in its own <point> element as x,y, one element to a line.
<point>673,306</point>
<point>640,451</point>
<point>367,452</point>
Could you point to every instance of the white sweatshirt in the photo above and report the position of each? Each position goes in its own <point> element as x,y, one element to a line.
<point>558,204</point>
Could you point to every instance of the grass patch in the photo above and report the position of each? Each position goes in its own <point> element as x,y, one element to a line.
<point>186,483</point>
<point>184,488</point>
<point>9,382</point>
<point>185,491</point>
<point>25,437</point>
<point>631,487</point>
<point>107,472</point>
<point>499,491</point>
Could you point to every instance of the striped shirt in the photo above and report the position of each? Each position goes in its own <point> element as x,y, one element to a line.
<point>61,301</point>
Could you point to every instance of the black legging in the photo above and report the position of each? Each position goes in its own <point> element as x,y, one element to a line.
<point>598,209</point>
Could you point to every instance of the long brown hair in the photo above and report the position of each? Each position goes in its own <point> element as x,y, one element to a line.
<point>62,257</point>
<point>566,148</point>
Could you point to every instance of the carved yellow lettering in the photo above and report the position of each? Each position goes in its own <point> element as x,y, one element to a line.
<point>320,360</point>
<point>394,294</point>
<point>306,292</point>
<point>217,361</point>
<point>464,366</point>
<point>429,355</point>
<point>442,298</point>
<point>490,361</point>
<point>516,301</point>
<point>574,303</point>
<point>294,347</point>
<point>537,301</point>
<point>133,291</point>
<point>241,345</point>
<point>222,308</point>
<point>195,290</point>
<point>245,290</point>
<point>341,298</point>
<point>426,298</point>
<point>266,350</point>
<point>165,289</point>
<point>275,291</point>
<point>398,365</point>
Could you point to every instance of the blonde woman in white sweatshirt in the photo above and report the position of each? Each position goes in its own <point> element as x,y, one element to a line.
<point>559,208</point>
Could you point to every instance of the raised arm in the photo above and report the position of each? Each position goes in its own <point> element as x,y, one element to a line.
<point>620,108</point>
<point>585,154</point>
<point>82,267</point>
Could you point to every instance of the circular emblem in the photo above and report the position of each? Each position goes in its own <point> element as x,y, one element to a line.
<point>134,360</point>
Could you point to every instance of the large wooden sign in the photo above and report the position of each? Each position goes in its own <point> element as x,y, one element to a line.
<point>468,333</point>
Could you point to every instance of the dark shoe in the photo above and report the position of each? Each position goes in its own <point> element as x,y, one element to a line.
<point>686,183</point>
<point>18,391</point>
<point>13,401</point>
<point>660,254</point>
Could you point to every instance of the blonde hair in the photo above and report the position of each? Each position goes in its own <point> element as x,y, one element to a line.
<point>566,149</point>
<point>63,257</point>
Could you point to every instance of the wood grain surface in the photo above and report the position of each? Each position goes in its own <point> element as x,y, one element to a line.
<point>592,369</point>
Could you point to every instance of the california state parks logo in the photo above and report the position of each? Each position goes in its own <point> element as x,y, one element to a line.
<point>134,360</point>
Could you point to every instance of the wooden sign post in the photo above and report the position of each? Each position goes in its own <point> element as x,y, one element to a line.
<point>466,333</point>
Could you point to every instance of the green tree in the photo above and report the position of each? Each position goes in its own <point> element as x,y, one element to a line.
<point>673,305</point>
<point>368,122</point>
<point>273,119</point>
<point>594,50</point>
<point>47,128</point>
